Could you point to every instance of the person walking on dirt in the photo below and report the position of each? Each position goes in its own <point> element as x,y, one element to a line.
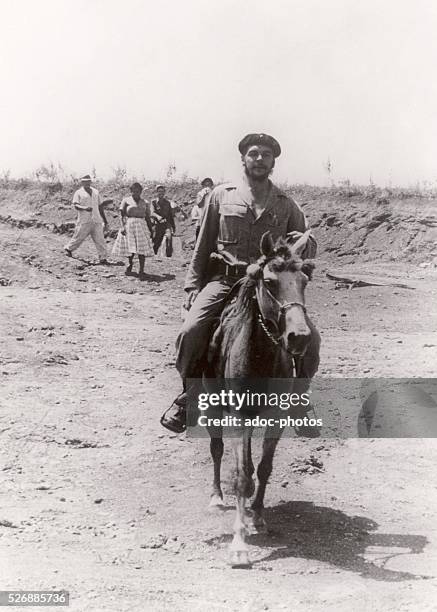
<point>91,220</point>
<point>136,234</point>
<point>162,214</point>
<point>235,218</point>
<point>198,208</point>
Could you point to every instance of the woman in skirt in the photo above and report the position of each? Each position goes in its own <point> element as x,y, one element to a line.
<point>135,237</point>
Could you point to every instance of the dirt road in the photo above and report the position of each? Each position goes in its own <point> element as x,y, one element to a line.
<point>99,500</point>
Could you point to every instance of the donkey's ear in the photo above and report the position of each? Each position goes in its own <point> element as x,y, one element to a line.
<point>299,246</point>
<point>267,245</point>
<point>308,268</point>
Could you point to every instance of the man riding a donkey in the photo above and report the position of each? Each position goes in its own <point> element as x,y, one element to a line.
<point>236,218</point>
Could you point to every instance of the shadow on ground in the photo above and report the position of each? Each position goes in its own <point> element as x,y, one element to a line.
<point>302,529</point>
<point>158,278</point>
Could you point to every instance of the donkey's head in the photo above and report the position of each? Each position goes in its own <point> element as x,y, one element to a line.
<point>282,277</point>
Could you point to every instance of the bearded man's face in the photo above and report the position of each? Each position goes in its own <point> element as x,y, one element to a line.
<point>258,162</point>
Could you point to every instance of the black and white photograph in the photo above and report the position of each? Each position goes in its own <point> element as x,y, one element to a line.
<point>218,313</point>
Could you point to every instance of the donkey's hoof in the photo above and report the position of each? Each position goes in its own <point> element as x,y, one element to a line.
<point>239,559</point>
<point>254,522</point>
<point>259,524</point>
<point>216,503</point>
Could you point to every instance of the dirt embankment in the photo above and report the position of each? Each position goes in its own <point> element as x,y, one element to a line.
<point>354,224</point>
<point>380,228</point>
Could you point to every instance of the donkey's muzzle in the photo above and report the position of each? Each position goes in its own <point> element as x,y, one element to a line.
<point>297,342</point>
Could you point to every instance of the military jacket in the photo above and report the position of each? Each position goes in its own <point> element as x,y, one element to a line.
<point>229,223</point>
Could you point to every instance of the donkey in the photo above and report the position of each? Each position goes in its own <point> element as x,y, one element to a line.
<point>263,333</point>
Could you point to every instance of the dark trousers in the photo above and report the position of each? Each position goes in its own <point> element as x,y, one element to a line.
<point>161,230</point>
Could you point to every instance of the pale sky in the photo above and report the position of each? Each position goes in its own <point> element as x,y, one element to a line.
<point>142,84</point>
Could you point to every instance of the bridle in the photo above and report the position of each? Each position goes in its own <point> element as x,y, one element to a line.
<point>283,307</point>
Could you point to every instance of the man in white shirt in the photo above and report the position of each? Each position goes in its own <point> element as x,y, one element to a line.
<point>91,220</point>
<point>198,208</point>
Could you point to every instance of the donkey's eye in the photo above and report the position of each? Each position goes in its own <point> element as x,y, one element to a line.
<point>270,282</point>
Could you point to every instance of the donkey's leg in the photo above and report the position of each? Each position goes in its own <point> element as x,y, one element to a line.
<point>271,438</point>
<point>244,488</point>
<point>249,515</point>
<point>249,458</point>
<point>216,447</point>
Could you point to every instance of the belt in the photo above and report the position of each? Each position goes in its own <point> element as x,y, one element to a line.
<point>235,271</point>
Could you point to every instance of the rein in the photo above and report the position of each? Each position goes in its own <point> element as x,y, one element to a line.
<point>279,344</point>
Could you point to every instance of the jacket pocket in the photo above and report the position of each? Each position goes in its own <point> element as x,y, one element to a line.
<point>232,223</point>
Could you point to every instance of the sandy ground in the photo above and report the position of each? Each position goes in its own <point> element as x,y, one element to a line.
<point>99,500</point>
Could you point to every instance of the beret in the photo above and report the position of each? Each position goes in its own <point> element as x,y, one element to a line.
<point>259,139</point>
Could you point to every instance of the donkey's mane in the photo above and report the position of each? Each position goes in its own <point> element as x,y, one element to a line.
<point>240,312</point>
<point>283,258</point>
<point>243,302</point>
